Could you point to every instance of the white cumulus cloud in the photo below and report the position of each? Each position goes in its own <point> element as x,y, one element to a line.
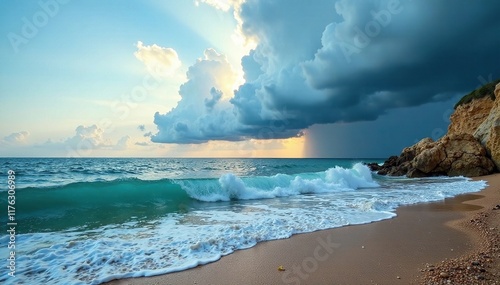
<point>224,5</point>
<point>204,110</point>
<point>88,138</point>
<point>123,143</point>
<point>160,61</point>
<point>17,138</point>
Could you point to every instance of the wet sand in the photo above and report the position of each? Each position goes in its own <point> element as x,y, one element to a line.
<point>409,249</point>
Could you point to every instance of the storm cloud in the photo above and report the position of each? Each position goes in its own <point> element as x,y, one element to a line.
<point>323,62</point>
<point>201,115</point>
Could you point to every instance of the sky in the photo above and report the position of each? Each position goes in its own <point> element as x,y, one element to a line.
<point>236,78</point>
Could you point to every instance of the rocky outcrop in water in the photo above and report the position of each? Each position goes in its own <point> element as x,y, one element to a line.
<point>470,148</point>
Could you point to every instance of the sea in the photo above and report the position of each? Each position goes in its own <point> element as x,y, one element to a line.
<point>92,220</point>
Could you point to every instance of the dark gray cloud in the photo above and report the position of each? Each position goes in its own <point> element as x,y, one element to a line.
<point>320,62</point>
<point>386,136</point>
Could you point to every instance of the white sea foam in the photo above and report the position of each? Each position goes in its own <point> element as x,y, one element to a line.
<point>232,187</point>
<point>335,198</point>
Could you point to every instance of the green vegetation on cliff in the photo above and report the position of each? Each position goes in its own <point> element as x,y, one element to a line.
<point>483,91</point>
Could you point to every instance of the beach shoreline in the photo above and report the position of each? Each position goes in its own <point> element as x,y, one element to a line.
<point>455,241</point>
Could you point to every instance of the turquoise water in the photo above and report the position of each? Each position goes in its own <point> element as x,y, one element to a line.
<point>58,194</point>
<point>87,221</point>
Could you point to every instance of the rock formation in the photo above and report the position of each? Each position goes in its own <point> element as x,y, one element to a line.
<point>470,148</point>
<point>468,117</point>
<point>489,130</point>
<point>452,155</point>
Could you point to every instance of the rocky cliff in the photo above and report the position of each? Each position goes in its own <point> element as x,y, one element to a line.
<point>467,117</point>
<point>470,148</point>
<point>488,132</point>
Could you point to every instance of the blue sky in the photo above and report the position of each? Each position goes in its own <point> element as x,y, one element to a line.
<point>236,78</point>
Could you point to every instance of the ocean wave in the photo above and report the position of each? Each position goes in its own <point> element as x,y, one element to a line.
<point>231,187</point>
<point>93,232</point>
<point>60,207</point>
<point>94,204</point>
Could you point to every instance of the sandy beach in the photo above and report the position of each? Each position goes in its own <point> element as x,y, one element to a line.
<point>451,242</point>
